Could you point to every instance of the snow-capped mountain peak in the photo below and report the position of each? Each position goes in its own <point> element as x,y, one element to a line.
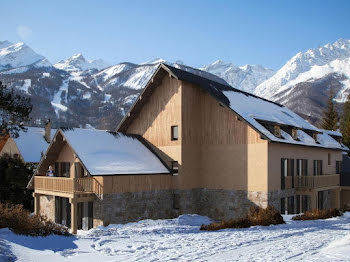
<point>78,62</point>
<point>246,77</point>
<point>316,61</point>
<point>19,55</point>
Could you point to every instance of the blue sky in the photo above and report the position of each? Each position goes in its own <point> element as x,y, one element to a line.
<point>196,32</point>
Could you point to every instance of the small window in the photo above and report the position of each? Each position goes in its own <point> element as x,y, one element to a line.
<point>174,133</point>
<point>329,159</point>
<point>295,134</point>
<point>277,130</point>
<point>175,167</point>
<point>338,166</point>
<point>15,156</point>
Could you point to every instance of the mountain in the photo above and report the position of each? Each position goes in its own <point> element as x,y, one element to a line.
<point>20,56</point>
<point>79,63</point>
<point>303,83</point>
<point>246,77</point>
<point>77,93</point>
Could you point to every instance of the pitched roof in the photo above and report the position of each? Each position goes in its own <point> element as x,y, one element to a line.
<point>251,108</point>
<point>3,140</point>
<point>109,153</point>
<point>32,144</point>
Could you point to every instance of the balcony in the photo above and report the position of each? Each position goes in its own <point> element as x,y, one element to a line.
<point>313,182</point>
<point>67,187</point>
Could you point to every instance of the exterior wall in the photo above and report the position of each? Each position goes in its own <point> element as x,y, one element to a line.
<point>345,198</point>
<point>134,183</point>
<point>134,206</point>
<point>47,206</point>
<point>10,148</point>
<point>162,111</point>
<point>276,151</point>
<point>66,154</point>
<point>220,151</point>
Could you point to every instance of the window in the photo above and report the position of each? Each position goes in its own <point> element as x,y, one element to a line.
<point>175,167</point>
<point>15,156</point>
<point>174,133</point>
<point>176,203</point>
<point>295,134</point>
<point>65,172</point>
<point>283,205</point>
<point>290,205</point>
<point>277,131</point>
<point>329,159</point>
<point>298,209</point>
<point>314,136</point>
<point>338,168</point>
<point>57,169</point>
<point>287,170</point>
<point>302,165</point>
<point>318,167</point>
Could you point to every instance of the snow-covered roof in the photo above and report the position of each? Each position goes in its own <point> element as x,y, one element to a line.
<point>253,109</point>
<point>32,144</point>
<point>106,153</point>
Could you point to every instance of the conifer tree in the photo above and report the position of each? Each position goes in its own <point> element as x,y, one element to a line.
<point>330,116</point>
<point>345,122</point>
<point>14,111</point>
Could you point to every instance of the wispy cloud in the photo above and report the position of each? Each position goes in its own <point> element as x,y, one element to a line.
<point>24,32</point>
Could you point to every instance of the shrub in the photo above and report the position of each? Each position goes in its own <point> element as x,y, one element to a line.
<point>14,177</point>
<point>20,221</point>
<point>256,217</point>
<point>318,214</point>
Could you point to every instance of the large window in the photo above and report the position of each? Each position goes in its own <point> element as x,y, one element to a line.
<point>174,133</point>
<point>302,166</point>
<point>317,167</point>
<point>287,169</point>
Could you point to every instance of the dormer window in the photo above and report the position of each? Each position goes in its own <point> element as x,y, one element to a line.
<point>295,134</point>
<point>277,131</point>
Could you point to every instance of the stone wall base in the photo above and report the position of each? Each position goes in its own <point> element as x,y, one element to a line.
<point>160,204</point>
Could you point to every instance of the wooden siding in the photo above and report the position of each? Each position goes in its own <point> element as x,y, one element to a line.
<point>214,149</point>
<point>134,183</point>
<point>221,152</point>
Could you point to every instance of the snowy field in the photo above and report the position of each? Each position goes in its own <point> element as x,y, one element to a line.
<point>181,240</point>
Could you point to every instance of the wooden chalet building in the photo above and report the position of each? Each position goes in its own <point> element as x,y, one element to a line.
<point>30,145</point>
<point>211,150</point>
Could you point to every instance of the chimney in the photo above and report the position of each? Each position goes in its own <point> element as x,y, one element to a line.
<point>48,131</point>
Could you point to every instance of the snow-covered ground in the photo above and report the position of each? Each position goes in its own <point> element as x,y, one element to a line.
<point>181,240</point>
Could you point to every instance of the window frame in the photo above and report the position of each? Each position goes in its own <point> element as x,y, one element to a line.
<point>173,133</point>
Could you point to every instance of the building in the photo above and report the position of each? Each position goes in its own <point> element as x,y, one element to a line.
<point>225,149</point>
<point>30,145</point>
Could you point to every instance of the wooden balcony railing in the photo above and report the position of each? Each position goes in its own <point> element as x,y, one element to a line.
<point>68,185</point>
<point>310,182</point>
